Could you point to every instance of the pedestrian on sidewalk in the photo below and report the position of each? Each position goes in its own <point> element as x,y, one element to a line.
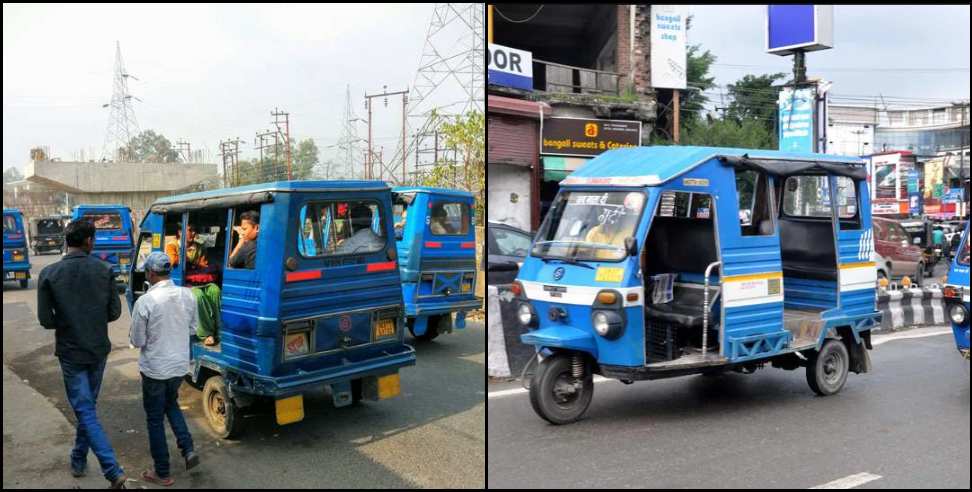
<point>77,298</point>
<point>163,321</point>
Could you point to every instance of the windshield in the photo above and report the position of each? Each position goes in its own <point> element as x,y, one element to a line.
<point>104,220</point>
<point>49,226</point>
<point>9,224</point>
<point>590,225</point>
<point>963,256</point>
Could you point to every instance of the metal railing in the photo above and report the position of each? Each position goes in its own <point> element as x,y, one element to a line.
<point>560,78</point>
<point>705,307</point>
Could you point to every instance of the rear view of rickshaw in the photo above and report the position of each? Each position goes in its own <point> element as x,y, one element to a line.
<point>47,234</point>
<point>436,240</point>
<point>113,236</point>
<point>956,294</point>
<point>314,301</point>
<point>16,259</point>
<point>658,262</point>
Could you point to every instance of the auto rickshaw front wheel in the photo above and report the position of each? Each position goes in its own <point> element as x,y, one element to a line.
<point>827,370</point>
<point>224,416</point>
<point>557,394</point>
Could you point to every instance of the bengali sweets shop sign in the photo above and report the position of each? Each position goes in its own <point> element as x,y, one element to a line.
<point>587,137</point>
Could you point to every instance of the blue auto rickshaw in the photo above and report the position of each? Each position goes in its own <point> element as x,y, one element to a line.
<point>436,238</point>
<point>114,237</point>
<point>956,294</point>
<point>321,307</point>
<point>16,259</point>
<point>658,262</point>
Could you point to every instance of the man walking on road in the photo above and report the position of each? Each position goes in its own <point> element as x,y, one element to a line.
<point>77,297</point>
<point>163,320</point>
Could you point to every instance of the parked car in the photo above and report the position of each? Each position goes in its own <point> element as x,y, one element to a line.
<point>903,256</point>
<point>506,247</point>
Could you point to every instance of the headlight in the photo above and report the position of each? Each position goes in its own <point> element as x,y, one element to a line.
<point>608,324</point>
<point>958,314</point>
<point>525,314</point>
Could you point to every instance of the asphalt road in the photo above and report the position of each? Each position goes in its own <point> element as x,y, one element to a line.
<point>433,435</point>
<point>904,425</point>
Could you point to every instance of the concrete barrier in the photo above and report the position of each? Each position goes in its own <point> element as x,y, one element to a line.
<point>907,307</point>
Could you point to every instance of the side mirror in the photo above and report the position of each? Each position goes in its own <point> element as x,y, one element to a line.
<point>631,246</point>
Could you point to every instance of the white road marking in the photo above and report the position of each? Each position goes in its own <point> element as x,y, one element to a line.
<point>878,340</point>
<point>520,391</point>
<point>850,482</point>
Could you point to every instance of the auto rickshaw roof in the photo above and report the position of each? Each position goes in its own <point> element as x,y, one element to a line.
<point>257,193</point>
<point>429,189</point>
<point>101,206</point>
<point>655,165</point>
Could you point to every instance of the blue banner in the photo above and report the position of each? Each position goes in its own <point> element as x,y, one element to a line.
<point>796,119</point>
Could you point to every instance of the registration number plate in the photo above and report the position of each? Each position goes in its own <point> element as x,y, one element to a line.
<point>18,257</point>
<point>384,328</point>
<point>296,344</point>
<point>123,261</point>
<point>20,275</point>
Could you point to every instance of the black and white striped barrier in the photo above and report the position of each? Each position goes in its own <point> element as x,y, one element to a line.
<point>506,356</point>
<point>906,307</point>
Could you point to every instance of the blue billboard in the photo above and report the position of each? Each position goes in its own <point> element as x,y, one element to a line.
<point>796,119</point>
<point>791,28</point>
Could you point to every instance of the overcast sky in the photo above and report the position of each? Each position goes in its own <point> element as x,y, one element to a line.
<point>894,39</point>
<point>205,72</point>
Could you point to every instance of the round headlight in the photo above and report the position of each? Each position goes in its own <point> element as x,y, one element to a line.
<point>601,324</point>
<point>957,313</point>
<point>525,314</point>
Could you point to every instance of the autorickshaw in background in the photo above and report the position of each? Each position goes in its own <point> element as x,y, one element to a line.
<point>113,236</point>
<point>956,294</point>
<point>47,234</point>
<point>16,260</point>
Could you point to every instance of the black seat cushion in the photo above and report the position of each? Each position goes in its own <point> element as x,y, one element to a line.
<point>685,316</point>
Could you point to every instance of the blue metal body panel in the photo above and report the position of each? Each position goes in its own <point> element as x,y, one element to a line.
<point>113,246</point>
<point>430,264</point>
<point>748,330</point>
<point>257,304</point>
<point>958,276</point>
<point>15,240</point>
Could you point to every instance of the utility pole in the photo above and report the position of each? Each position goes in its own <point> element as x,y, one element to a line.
<point>675,123</point>
<point>261,137</point>
<point>285,133</point>
<point>385,94</point>
<point>185,150</point>
<point>230,152</point>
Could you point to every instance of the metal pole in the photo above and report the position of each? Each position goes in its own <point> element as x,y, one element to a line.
<point>675,123</point>
<point>404,111</point>
<point>368,163</point>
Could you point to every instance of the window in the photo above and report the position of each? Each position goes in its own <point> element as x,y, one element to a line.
<point>205,245</point>
<point>449,219</point>
<point>338,228</point>
<point>846,199</point>
<point>49,226</point>
<point>104,221</point>
<point>246,224</point>
<point>963,258</point>
<point>896,233</point>
<point>509,243</point>
<point>685,205</point>
<point>807,196</point>
<point>753,191</point>
<point>9,224</point>
<point>144,250</point>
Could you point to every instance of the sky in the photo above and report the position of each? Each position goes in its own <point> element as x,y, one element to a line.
<point>878,50</point>
<point>207,72</point>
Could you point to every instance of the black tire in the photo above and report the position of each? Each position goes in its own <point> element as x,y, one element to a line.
<point>356,391</point>
<point>431,329</point>
<point>828,369</point>
<point>549,388</point>
<point>24,283</point>
<point>224,417</point>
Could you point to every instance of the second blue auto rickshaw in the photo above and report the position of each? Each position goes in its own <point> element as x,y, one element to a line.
<point>436,238</point>
<point>16,259</point>
<point>320,307</point>
<point>657,262</point>
<point>114,236</point>
<point>956,294</point>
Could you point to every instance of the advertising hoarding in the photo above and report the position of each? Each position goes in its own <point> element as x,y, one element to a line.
<point>796,106</point>
<point>587,137</point>
<point>668,61</point>
<point>792,28</point>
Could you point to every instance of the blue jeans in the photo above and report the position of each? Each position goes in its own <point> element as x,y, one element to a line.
<point>160,397</point>
<point>82,383</point>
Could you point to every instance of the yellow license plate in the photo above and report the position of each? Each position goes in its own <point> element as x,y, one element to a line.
<point>466,287</point>
<point>388,386</point>
<point>384,328</point>
<point>20,275</point>
<point>123,261</point>
<point>18,258</point>
<point>290,410</point>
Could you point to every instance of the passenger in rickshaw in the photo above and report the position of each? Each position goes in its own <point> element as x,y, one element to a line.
<point>362,237</point>
<point>439,223</point>
<point>244,254</point>
<point>196,257</point>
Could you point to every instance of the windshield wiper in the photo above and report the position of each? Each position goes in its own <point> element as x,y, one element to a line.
<point>571,261</point>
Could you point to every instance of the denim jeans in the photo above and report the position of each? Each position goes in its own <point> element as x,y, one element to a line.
<point>160,397</point>
<point>82,383</point>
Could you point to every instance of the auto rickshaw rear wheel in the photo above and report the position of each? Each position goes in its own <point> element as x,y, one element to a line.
<point>556,395</point>
<point>23,284</point>
<point>224,416</point>
<point>431,328</point>
<point>827,370</point>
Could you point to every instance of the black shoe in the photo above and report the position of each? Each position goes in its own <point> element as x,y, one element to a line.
<point>79,472</point>
<point>119,483</point>
<point>192,460</point>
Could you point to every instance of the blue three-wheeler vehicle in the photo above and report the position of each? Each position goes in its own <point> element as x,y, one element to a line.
<point>16,259</point>
<point>436,238</point>
<point>657,262</point>
<point>956,294</point>
<point>319,304</point>
<point>114,236</point>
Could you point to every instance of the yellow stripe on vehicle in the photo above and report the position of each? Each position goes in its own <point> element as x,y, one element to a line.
<point>755,276</point>
<point>863,264</point>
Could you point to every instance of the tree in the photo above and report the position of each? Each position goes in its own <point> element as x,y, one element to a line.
<point>12,174</point>
<point>754,96</point>
<point>725,132</point>
<point>149,146</point>
<point>305,157</point>
<point>466,134</point>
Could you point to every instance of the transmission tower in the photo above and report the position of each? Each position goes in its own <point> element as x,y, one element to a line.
<point>348,143</point>
<point>122,125</point>
<point>450,79</point>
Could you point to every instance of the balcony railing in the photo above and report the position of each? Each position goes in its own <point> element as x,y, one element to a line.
<point>559,78</point>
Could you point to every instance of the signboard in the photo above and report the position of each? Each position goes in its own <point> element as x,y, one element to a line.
<point>509,67</point>
<point>791,28</point>
<point>953,195</point>
<point>668,62</point>
<point>914,203</point>
<point>587,137</point>
<point>884,208</point>
<point>796,119</point>
<point>885,175</point>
